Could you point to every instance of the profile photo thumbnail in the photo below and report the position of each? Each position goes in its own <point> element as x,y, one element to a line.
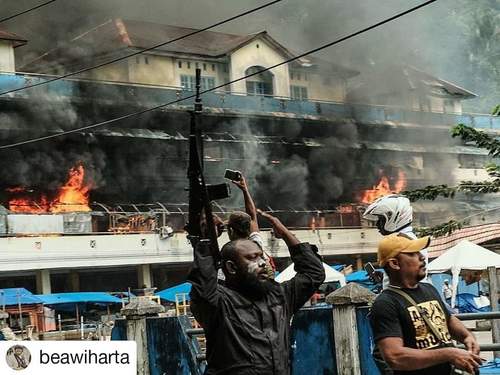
<point>18,357</point>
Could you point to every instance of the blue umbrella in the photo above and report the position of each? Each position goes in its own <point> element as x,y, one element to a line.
<point>169,293</point>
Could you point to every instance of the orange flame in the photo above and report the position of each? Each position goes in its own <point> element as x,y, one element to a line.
<point>383,188</point>
<point>72,196</point>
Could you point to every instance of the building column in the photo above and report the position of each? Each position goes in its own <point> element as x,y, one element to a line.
<point>144,278</point>
<point>74,281</point>
<point>43,282</point>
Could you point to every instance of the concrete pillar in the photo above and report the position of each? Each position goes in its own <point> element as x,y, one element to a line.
<point>74,281</point>
<point>136,313</point>
<point>43,282</point>
<point>144,279</point>
<point>345,328</point>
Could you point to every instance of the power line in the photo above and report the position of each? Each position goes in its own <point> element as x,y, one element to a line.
<point>138,113</point>
<point>143,50</point>
<point>26,11</point>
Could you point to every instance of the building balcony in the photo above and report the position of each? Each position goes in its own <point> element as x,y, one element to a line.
<point>222,102</point>
<point>25,253</point>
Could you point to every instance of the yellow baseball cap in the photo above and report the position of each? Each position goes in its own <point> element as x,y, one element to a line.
<point>392,245</point>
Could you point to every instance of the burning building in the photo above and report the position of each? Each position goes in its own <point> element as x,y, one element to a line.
<point>310,155</point>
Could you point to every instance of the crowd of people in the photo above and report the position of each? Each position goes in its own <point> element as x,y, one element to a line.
<point>246,315</point>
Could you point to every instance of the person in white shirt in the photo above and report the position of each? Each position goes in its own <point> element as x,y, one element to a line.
<point>447,292</point>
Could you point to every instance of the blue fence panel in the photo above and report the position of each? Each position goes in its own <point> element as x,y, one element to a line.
<point>495,122</point>
<point>464,119</point>
<point>365,337</point>
<point>482,122</point>
<point>313,347</point>
<point>393,114</point>
<point>119,331</point>
<point>168,348</point>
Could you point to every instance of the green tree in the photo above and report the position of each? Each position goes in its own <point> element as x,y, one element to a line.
<point>479,22</point>
<point>481,140</point>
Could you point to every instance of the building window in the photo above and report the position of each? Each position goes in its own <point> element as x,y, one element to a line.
<point>179,63</point>
<point>258,45</point>
<point>213,67</point>
<point>449,106</point>
<point>258,88</point>
<point>225,68</point>
<point>207,83</point>
<point>189,82</point>
<point>146,60</point>
<point>189,64</point>
<point>298,92</point>
<point>137,60</point>
<point>196,65</point>
<point>204,66</point>
<point>259,84</point>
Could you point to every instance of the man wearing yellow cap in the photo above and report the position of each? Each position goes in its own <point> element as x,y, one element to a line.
<point>411,325</point>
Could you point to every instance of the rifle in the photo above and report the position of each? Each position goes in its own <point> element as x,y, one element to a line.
<point>201,194</point>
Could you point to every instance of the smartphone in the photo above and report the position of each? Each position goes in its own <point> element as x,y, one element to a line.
<point>232,175</point>
<point>369,268</point>
<point>373,274</point>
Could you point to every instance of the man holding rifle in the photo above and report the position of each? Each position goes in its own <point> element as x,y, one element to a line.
<point>247,320</point>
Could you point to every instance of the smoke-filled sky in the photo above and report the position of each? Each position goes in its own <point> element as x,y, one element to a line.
<point>430,38</point>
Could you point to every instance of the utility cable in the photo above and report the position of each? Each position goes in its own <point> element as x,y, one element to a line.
<point>138,113</point>
<point>26,11</point>
<point>143,50</point>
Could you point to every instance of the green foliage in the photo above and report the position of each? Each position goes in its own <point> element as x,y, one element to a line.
<point>430,193</point>
<point>441,229</point>
<point>496,111</point>
<point>480,140</point>
<point>478,22</point>
<point>485,187</point>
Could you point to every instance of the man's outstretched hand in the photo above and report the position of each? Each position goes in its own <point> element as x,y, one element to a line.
<point>280,231</point>
<point>241,183</point>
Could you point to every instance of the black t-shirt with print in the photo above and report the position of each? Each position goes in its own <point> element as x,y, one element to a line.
<point>393,316</point>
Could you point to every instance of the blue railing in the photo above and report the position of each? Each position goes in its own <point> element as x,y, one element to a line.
<point>149,96</point>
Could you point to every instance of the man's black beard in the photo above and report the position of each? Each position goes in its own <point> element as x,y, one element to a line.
<point>254,288</point>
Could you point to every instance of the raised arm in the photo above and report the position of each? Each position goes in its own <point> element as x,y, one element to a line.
<point>203,278</point>
<point>308,266</point>
<point>249,203</point>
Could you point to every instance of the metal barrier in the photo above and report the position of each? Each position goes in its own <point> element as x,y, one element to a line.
<point>480,315</point>
<point>492,315</point>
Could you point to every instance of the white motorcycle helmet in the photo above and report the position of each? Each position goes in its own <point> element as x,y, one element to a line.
<point>392,213</point>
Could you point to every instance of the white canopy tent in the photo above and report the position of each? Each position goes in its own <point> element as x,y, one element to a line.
<point>331,274</point>
<point>463,256</point>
